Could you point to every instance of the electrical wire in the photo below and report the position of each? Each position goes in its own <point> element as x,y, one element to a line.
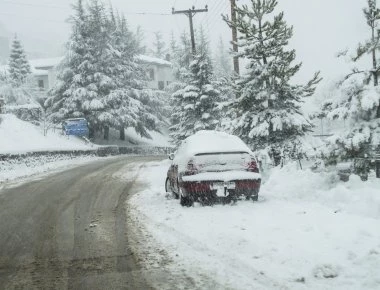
<point>34,5</point>
<point>33,18</point>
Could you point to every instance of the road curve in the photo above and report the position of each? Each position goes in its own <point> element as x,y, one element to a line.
<point>69,230</point>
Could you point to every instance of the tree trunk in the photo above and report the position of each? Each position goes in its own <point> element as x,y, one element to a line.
<point>374,62</point>
<point>106,132</point>
<point>122,134</point>
<point>91,133</point>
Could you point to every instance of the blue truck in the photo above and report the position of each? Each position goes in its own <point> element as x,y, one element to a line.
<point>75,127</point>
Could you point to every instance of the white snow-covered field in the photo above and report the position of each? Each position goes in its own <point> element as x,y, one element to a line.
<point>17,136</point>
<point>308,231</point>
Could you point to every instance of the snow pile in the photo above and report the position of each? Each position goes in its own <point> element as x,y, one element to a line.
<point>354,197</point>
<point>306,232</point>
<point>17,136</point>
<point>28,166</point>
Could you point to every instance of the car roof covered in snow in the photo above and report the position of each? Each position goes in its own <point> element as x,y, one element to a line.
<point>212,141</point>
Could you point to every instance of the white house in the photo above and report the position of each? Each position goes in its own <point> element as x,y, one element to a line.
<point>159,71</point>
<point>45,71</point>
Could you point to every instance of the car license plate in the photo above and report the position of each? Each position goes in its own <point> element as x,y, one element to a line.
<point>229,185</point>
<point>221,186</point>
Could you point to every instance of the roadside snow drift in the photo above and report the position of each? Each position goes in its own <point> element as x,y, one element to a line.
<point>308,231</point>
<point>17,136</point>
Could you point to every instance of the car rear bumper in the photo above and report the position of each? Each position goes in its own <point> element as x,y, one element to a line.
<point>224,176</point>
<point>239,187</point>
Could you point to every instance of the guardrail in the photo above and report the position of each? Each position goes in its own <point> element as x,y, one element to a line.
<point>101,151</point>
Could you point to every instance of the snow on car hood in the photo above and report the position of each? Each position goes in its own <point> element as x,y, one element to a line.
<point>222,176</point>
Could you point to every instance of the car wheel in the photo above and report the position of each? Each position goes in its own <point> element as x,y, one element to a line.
<point>253,195</point>
<point>169,189</point>
<point>185,200</point>
<point>207,200</point>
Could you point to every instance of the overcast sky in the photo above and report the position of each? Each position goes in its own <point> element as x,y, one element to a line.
<point>321,27</point>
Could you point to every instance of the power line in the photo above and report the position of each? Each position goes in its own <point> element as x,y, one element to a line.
<point>33,18</point>
<point>146,13</point>
<point>35,5</point>
<point>215,14</point>
<point>211,6</point>
<point>190,13</point>
<point>68,8</point>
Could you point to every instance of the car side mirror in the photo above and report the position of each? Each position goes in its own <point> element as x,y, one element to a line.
<point>171,156</point>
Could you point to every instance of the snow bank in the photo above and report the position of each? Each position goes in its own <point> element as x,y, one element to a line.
<point>354,197</point>
<point>17,137</point>
<point>306,232</point>
<point>29,166</point>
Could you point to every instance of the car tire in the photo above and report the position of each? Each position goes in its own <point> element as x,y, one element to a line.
<point>252,195</point>
<point>167,185</point>
<point>207,199</point>
<point>185,200</point>
<point>168,188</point>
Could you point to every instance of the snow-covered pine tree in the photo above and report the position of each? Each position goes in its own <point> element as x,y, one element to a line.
<point>223,67</point>
<point>196,104</point>
<point>100,78</point>
<point>268,103</point>
<point>19,67</point>
<point>159,46</point>
<point>356,100</point>
<point>73,86</point>
<point>133,108</point>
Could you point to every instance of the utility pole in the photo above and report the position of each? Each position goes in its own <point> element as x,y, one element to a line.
<point>191,13</point>
<point>234,37</point>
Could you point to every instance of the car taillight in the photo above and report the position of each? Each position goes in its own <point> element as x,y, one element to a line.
<point>252,166</point>
<point>191,168</point>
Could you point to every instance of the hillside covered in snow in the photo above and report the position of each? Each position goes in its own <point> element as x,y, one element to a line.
<point>17,137</point>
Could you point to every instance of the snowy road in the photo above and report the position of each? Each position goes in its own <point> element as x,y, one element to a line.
<point>110,225</point>
<point>70,230</point>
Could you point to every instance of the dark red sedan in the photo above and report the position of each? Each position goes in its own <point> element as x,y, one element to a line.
<point>212,166</point>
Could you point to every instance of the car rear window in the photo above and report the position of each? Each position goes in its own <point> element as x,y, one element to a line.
<point>222,161</point>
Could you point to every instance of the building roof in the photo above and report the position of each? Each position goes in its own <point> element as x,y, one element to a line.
<point>153,60</point>
<point>52,62</point>
<point>46,62</point>
<point>4,69</point>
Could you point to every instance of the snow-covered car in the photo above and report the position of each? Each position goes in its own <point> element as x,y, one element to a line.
<point>210,166</point>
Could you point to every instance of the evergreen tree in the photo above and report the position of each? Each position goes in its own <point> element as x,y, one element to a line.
<point>267,107</point>
<point>100,78</point>
<point>19,67</point>
<point>159,46</point>
<point>356,101</point>
<point>223,67</point>
<point>196,104</point>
